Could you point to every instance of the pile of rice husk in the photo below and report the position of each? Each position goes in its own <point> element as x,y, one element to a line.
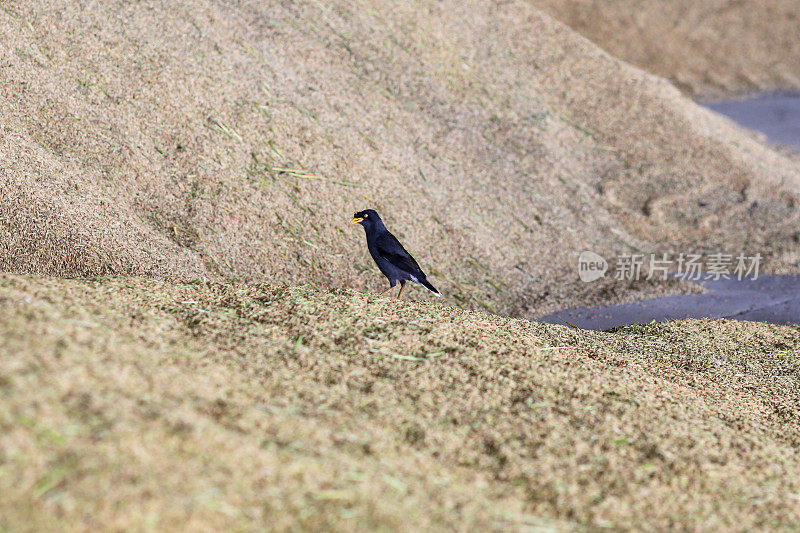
<point>134,404</point>
<point>233,141</point>
<point>709,48</point>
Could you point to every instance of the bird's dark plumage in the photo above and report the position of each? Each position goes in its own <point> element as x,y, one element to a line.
<point>392,259</point>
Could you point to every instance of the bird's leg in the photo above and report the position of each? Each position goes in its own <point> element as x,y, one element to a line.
<point>387,290</point>
<point>402,286</point>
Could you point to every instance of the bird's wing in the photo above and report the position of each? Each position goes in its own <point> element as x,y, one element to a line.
<point>390,248</point>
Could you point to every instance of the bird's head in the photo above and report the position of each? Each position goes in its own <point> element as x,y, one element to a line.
<point>367,218</point>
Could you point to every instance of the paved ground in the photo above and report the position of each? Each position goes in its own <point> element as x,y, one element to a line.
<point>775,115</point>
<point>773,299</point>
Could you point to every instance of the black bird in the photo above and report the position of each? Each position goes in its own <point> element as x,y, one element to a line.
<point>393,260</point>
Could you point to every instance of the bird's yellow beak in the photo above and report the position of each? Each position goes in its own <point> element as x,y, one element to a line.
<point>356,220</point>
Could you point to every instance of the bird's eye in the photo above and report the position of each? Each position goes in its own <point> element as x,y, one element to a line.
<point>366,215</point>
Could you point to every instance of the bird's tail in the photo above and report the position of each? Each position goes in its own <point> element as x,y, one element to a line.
<point>427,284</point>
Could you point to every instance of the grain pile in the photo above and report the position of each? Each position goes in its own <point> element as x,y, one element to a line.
<point>232,141</point>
